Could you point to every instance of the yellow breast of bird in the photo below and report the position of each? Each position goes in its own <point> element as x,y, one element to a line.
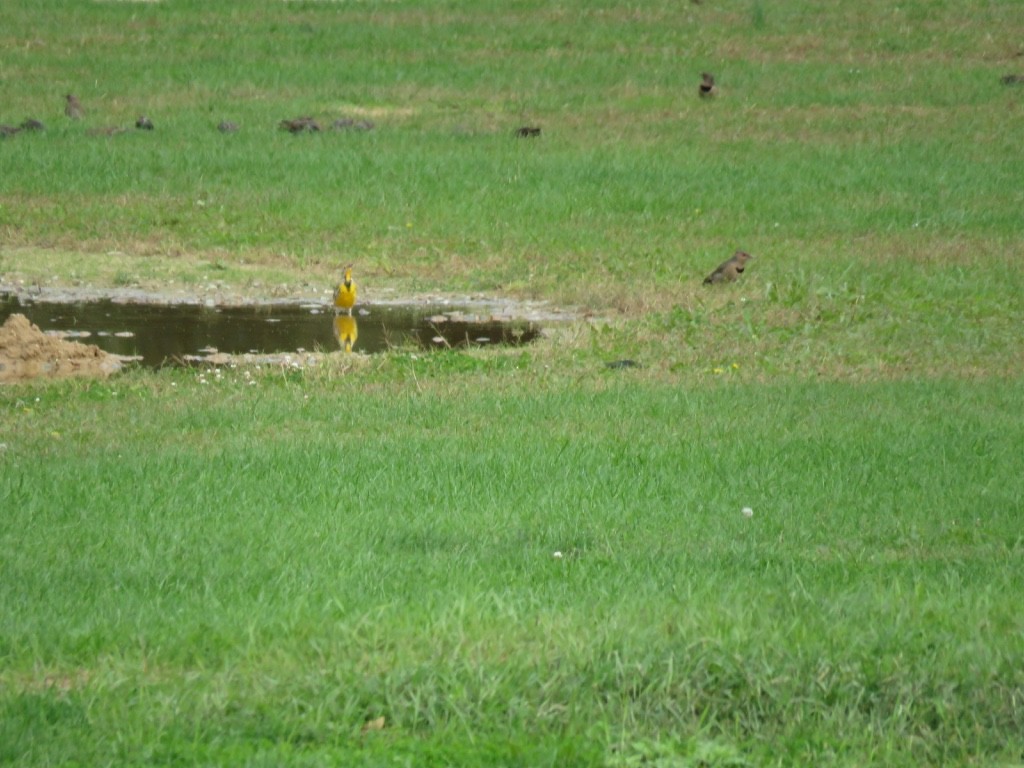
<point>345,295</point>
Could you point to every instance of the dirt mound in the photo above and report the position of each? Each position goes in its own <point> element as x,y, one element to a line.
<point>28,353</point>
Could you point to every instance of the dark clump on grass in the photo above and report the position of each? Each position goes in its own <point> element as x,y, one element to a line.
<point>622,364</point>
<point>300,125</point>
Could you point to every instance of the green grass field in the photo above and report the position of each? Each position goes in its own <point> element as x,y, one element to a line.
<point>356,564</point>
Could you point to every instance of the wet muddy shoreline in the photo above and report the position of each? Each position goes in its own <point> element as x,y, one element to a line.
<point>496,308</point>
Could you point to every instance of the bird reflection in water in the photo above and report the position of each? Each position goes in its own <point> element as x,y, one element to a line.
<point>346,331</point>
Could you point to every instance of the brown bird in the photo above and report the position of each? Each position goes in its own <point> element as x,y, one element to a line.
<point>730,269</point>
<point>528,132</point>
<point>9,130</point>
<point>1011,79</point>
<point>299,125</point>
<point>73,108</point>
<point>707,85</point>
<point>144,123</point>
<point>31,124</point>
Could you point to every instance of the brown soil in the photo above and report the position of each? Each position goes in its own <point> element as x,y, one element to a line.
<point>28,353</point>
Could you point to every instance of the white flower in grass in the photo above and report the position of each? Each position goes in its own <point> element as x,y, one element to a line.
<point>557,555</point>
<point>748,512</point>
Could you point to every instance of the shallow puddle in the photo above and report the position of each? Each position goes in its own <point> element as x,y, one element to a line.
<point>187,333</point>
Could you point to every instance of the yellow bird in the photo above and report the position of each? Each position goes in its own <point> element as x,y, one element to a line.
<point>346,331</point>
<point>345,293</point>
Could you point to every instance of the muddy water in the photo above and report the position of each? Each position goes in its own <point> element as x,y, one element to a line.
<point>184,333</point>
